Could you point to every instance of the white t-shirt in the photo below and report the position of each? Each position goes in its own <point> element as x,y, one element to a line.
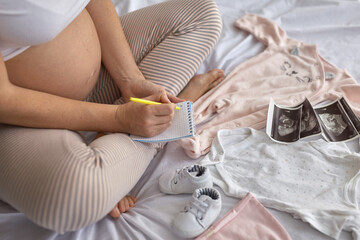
<point>316,181</point>
<point>24,23</point>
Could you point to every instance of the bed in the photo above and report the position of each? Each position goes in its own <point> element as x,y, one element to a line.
<point>333,25</point>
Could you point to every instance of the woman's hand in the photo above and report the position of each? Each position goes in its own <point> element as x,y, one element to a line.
<point>144,88</point>
<point>146,120</point>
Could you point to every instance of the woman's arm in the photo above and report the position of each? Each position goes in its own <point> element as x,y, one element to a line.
<point>115,50</point>
<point>29,108</point>
<point>117,55</point>
<point>25,107</point>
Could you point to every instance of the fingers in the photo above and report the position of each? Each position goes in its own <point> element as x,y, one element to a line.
<point>174,99</point>
<point>164,97</point>
<point>169,98</point>
<point>143,119</point>
<point>160,97</point>
<point>158,129</point>
<point>166,109</point>
<point>160,118</point>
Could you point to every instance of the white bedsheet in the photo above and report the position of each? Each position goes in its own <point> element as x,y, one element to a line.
<point>333,25</point>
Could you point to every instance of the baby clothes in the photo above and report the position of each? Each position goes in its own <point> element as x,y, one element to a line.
<point>248,220</point>
<point>287,71</point>
<point>316,181</point>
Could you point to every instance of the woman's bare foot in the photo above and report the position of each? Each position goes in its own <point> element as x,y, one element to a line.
<point>200,84</point>
<point>123,206</point>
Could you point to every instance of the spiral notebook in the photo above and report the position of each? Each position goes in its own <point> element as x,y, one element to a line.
<point>182,126</point>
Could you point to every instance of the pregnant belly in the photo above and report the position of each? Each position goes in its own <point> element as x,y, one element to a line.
<point>67,66</point>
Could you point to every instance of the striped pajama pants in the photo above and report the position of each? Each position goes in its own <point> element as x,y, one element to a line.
<point>62,183</point>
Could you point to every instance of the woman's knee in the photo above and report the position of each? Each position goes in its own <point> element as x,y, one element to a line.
<point>76,204</point>
<point>210,15</point>
<point>61,183</point>
<point>43,175</point>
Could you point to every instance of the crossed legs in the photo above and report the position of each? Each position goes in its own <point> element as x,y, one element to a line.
<point>60,182</point>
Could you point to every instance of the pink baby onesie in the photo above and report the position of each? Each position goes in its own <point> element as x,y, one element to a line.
<point>287,71</point>
<point>248,220</point>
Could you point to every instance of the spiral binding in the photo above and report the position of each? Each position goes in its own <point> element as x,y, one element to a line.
<point>190,118</point>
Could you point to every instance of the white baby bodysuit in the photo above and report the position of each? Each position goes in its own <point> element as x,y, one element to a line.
<point>316,181</point>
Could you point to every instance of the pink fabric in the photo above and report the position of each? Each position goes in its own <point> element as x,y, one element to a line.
<point>242,99</point>
<point>248,220</point>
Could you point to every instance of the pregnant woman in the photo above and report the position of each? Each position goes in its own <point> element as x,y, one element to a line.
<point>63,65</point>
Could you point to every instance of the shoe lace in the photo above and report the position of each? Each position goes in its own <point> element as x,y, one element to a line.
<point>180,173</point>
<point>198,208</point>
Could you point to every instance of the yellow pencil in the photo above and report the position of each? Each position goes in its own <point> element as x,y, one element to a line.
<point>139,100</point>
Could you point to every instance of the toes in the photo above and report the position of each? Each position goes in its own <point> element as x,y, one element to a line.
<point>115,213</point>
<point>123,205</point>
<point>126,203</point>
<point>217,73</point>
<point>216,82</point>
<point>133,199</point>
<point>131,202</point>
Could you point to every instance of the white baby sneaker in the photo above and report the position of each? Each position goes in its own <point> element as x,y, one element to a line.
<point>200,212</point>
<point>185,180</point>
